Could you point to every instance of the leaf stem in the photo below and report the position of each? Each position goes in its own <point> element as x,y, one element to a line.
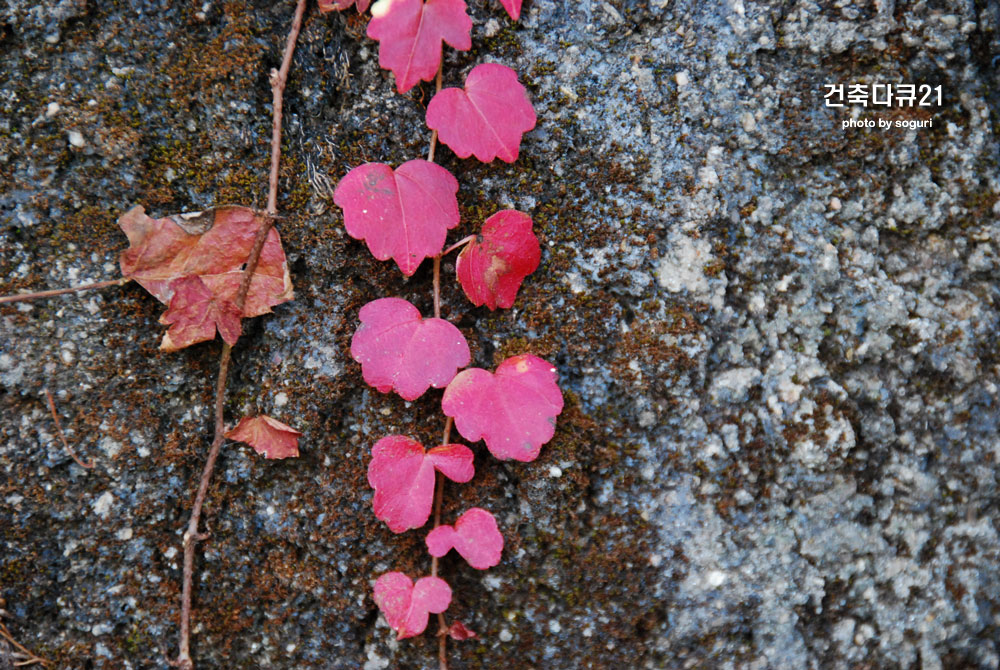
<point>192,535</point>
<point>430,159</point>
<point>438,499</point>
<point>462,242</point>
<point>60,291</point>
<point>439,479</point>
<point>437,286</point>
<point>434,134</point>
<point>62,437</point>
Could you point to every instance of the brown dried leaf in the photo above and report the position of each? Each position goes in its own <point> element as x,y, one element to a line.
<point>164,250</point>
<point>268,437</point>
<point>458,631</point>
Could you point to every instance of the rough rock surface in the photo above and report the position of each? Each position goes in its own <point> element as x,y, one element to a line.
<point>777,340</point>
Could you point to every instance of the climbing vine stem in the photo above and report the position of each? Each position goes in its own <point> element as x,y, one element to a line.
<point>192,535</point>
<point>438,478</point>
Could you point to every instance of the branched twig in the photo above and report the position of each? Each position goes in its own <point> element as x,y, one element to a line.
<point>59,432</point>
<point>192,534</point>
<point>60,291</point>
<point>23,656</point>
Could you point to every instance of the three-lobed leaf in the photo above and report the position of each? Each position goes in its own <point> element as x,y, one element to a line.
<point>403,214</point>
<point>410,33</point>
<point>492,267</point>
<point>486,118</point>
<point>398,350</point>
<point>475,536</point>
<point>402,474</point>
<point>405,605</point>
<point>269,437</point>
<point>513,410</point>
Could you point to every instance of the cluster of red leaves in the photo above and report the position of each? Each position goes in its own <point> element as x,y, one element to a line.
<point>405,214</point>
<point>194,264</point>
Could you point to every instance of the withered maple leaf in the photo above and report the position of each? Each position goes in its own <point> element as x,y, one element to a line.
<point>268,437</point>
<point>211,246</point>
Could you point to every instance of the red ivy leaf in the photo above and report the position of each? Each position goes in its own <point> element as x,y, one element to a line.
<point>341,5</point>
<point>194,315</point>
<point>268,437</point>
<point>410,33</point>
<point>402,474</point>
<point>406,606</point>
<point>458,631</point>
<point>475,536</point>
<point>399,350</point>
<point>487,118</point>
<point>492,267</point>
<point>513,410</point>
<point>513,8</point>
<point>403,214</point>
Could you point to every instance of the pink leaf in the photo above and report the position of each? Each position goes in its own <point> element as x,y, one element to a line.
<point>341,5</point>
<point>513,8</point>
<point>491,268</point>
<point>475,536</point>
<point>513,410</point>
<point>403,214</point>
<point>195,313</point>
<point>402,474</point>
<point>458,631</point>
<point>267,436</point>
<point>406,606</point>
<point>410,33</point>
<point>487,118</point>
<point>399,350</point>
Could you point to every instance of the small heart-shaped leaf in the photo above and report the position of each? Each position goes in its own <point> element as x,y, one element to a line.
<point>399,350</point>
<point>268,437</point>
<point>513,410</point>
<point>410,33</point>
<point>402,474</point>
<point>486,118</point>
<point>458,631</point>
<point>492,267</point>
<point>406,605</point>
<point>403,214</point>
<point>475,536</point>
